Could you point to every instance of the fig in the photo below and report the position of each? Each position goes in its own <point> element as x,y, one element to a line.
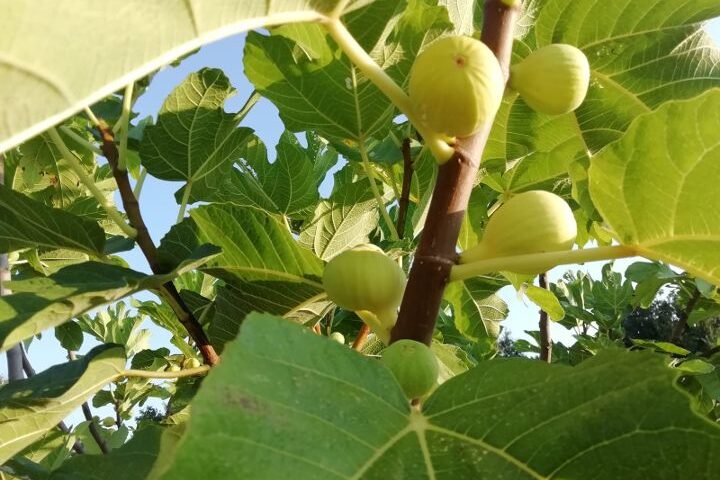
<point>530,222</point>
<point>553,79</point>
<point>338,337</point>
<point>456,86</point>
<point>191,363</point>
<point>364,278</point>
<point>413,365</point>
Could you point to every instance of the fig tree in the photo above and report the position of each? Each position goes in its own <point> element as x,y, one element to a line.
<point>414,366</point>
<point>456,86</point>
<point>553,79</point>
<point>530,222</point>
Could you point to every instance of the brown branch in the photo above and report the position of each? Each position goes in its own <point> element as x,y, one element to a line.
<point>545,340</point>
<point>14,354</point>
<point>361,338</point>
<point>132,210</point>
<point>94,429</point>
<point>72,356</point>
<point>404,200</point>
<point>436,254</point>
<point>684,316</point>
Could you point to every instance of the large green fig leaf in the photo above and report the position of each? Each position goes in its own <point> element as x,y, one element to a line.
<point>344,220</point>
<point>286,403</point>
<point>641,55</point>
<point>255,246</point>
<point>656,186</point>
<point>477,309</point>
<point>142,457</point>
<point>289,185</point>
<point>29,408</point>
<point>57,58</point>
<point>296,301</point>
<point>27,223</point>
<point>43,302</point>
<point>194,140</point>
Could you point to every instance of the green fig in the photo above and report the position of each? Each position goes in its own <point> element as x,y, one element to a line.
<point>413,365</point>
<point>456,86</point>
<point>530,222</point>
<point>364,278</point>
<point>338,337</point>
<point>553,79</point>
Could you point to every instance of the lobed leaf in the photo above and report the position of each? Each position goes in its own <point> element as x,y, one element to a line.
<point>292,404</point>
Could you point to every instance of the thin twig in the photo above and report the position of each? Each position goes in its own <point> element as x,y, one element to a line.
<point>404,200</point>
<point>89,183</point>
<point>78,447</point>
<point>187,372</point>
<point>436,252</point>
<point>361,338</point>
<point>148,248</point>
<point>14,354</point>
<point>545,340</point>
<point>87,413</point>
<point>27,367</point>
<point>92,426</point>
<point>684,316</point>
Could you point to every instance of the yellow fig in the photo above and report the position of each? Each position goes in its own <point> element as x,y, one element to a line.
<point>553,79</point>
<point>530,222</point>
<point>456,86</point>
<point>364,278</point>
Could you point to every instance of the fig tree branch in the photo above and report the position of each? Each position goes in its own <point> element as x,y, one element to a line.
<point>87,413</point>
<point>436,253</point>
<point>545,340</point>
<point>404,200</point>
<point>144,241</point>
<point>361,338</point>
<point>89,183</point>
<point>14,354</point>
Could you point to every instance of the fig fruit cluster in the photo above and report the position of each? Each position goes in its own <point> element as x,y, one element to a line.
<point>456,86</point>
<point>414,366</point>
<point>530,222</point>
<point>367,281</point>
<point>553,79</point>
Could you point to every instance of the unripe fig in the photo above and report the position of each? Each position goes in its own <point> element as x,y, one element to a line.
<point>364,278</point>
<point>191,363</point>
<point>338,337</point>
<point>108,422</point>
<point>553,79</point>
<point>530,222</point>
<point>414,366</point>
<point>456,86</point>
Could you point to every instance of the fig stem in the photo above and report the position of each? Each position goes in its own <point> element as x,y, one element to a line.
<point>435,142</point>
<point>184,201</point>
<point>187,372</point>
<point>89,183</point>
<point>529,261</point>
<point>123,125</point>
<point>375,191</point>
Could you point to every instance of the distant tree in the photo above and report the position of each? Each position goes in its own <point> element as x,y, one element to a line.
<point>506,346</point>
<point>658,321</point>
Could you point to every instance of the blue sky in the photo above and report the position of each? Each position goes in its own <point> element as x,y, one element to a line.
<point>160,209</point>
